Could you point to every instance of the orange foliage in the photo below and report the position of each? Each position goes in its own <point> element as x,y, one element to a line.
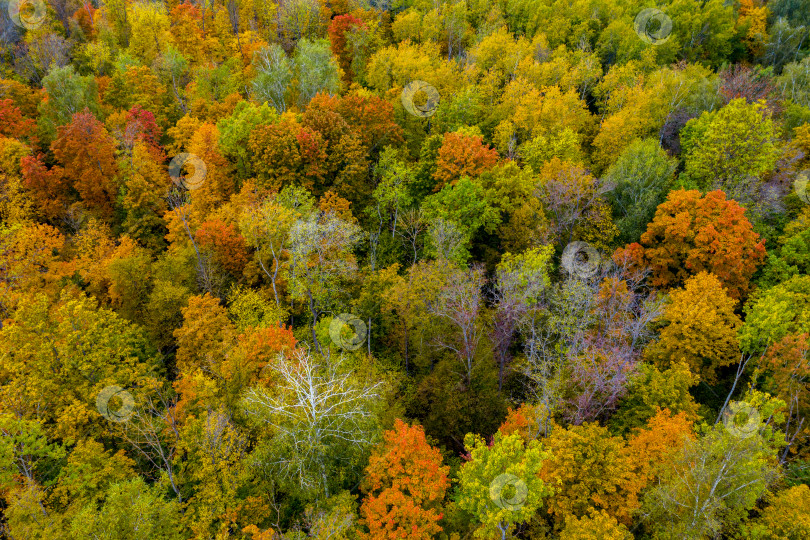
<point>331,202</point>
<point>87,153</point>
<point>405,484</point>
<point>692,233</point>
<point>337,39</point>
<point>48,188</point>
<point>462,155</point>
<point>12,121</point>
<point>225,243</point>
<point>650,447</point>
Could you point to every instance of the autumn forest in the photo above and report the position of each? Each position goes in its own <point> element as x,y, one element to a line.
<point>404,269</point>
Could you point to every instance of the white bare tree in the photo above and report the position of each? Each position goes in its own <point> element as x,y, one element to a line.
<point>322,415</point>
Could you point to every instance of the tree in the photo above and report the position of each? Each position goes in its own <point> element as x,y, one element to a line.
<point>149,25</point>
<point>651,390</point>
<point>638,183</point>
<point>225,243</point>
<point>459,302</point>
<point>234,133</point>
<point>274,75</point>
<point>462,155</point>
<point>49,188</point>
<point>88,350</point>
<point>457,213</point>
<point>12,121</point>
<point>786,375</point>
<point>779,311</point>
<point>266,227</point>
<point>520,279</point>
<point>569,193</point>
<point>131,509</point>
<point>205,332</point>
<point>589,469</point>
<point>723,149</point>
<point>404,484</point>
<point>321,261</point>
<point>711,484</point>
<point>323,417</point>
<point>316,70</point>
<point>596,525</point>
<point>338,29</point>
<point>692,233</point>
<point>67,93</point>
<point>87,153</point>
<point>701,328</point>
<point>499,484</point>
<point>90,472</point>
<point>786,516</point>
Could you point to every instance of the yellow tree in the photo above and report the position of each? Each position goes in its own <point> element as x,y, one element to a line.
<point>701,328</point>
<point>589,469</point>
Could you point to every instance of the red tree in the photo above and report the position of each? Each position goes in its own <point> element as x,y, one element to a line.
<point>225,244</point>
<point>337,39</point>
<point>12,121</point>
<point>50,189</point>
<point>87,153</point>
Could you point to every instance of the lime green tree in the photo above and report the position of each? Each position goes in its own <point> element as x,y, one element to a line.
<point>499,484</point>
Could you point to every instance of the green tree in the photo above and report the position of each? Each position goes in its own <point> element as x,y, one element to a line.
<point>638,181</point>
<point>131,510</point>
<point>499,485</point>
<point>68,93</point>
<point>710,486</point>
<point>775,313</point>
<point>725,149</point>
<point>315,69</point>
<point>322,414</point>
<point>274,75</point>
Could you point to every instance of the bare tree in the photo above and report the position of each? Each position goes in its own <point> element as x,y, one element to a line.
<point>154,433</point>
<point>459,303</point>
<point>411,229</point>
<point>321,413</point>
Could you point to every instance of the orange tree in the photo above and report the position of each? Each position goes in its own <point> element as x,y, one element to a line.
<point>405,483</point>
<point>691,233</point>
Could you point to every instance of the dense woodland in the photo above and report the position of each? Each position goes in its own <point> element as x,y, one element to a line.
<point>404,269</point>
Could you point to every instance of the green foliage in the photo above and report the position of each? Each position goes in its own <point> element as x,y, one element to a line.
<point>781,310</point>
<point>499,485</point>
<point>726,148</point>
<point>640,180</point>
<point>131,510</point>
<point>234,133</point>
<point>68,93</point>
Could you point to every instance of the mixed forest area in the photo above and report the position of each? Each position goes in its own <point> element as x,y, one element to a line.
<point>404,269</point>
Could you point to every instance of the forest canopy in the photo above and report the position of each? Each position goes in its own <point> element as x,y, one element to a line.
<point>404,269</point>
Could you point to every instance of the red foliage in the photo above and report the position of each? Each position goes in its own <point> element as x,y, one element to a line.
<point>337,39</point>
<point>141,126</point>
<point>49,188</point>
<point>12,121</point>
<point>225,243</point>
<point>87,152</point>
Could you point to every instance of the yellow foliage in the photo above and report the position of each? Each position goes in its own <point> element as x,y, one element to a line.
<point>702,328</point>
